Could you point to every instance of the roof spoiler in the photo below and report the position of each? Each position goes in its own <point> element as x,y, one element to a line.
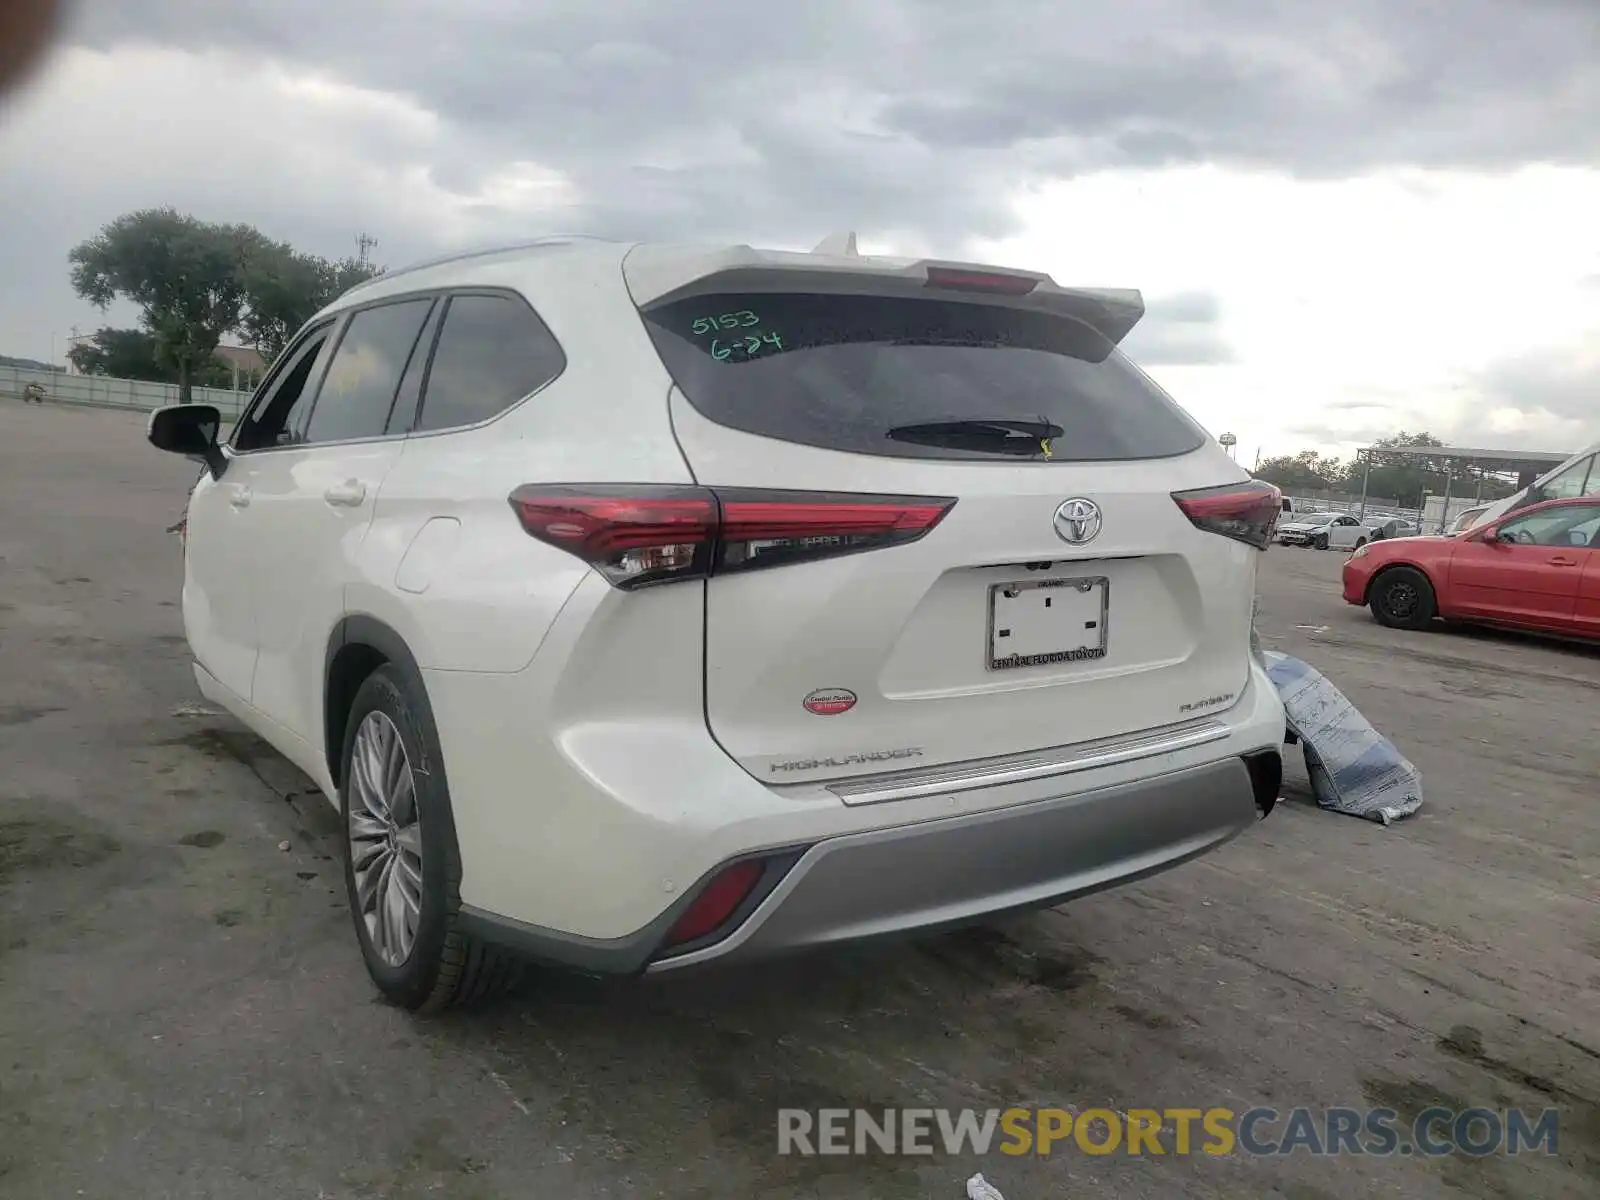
<point>837,267</point>
<point>839,245</point>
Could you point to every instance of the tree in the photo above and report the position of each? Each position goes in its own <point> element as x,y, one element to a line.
<point>1307,471</point>
<point>1404,479</point>
<point>123,353</point>
<point>134,354</point>
<point>184,275</point>
<point>195,282</point>
<point>283,289</point>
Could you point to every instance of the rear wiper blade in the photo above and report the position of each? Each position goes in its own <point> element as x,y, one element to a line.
<point>995,435</point>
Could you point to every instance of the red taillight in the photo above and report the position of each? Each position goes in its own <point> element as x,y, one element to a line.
<point>981,281</point>
<point>1246,512</point>
<point>642,535</point>
<point>762,529</point>
<point>632,536</point>
<point>718,901</point>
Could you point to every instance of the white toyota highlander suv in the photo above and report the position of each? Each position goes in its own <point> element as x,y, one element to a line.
<point>644,606</point>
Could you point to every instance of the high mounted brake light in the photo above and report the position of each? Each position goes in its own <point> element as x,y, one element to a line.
<point>1247,512</point>
<point>649,534</point>
<point>994,282</point>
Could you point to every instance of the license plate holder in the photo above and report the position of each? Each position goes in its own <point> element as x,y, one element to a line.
<point>1044,622</point>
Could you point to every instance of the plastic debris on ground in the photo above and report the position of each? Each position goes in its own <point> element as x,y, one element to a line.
<point>979,1188</point>
<point>1354,769</point>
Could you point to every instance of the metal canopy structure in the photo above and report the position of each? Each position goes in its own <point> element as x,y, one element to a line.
<point>1526,465</point>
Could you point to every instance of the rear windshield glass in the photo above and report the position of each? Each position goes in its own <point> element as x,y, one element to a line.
<point>913,378</point>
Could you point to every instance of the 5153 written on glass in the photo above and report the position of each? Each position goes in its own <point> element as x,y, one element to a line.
<point>743,319</point>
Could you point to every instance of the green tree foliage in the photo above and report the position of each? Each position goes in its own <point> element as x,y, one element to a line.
<point>1307,471</point>
<point>284,289</point>
<point>1408,478</point>
<point>1404,479</point>
<point>183,274</point>
<point>195,282</point>
<point>1399,480</point>
<point>135,354</point>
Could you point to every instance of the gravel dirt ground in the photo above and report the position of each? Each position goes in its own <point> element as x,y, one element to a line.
<point>183,1012</point>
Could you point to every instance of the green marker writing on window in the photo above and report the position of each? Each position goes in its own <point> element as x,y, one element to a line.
<point>743,319</point>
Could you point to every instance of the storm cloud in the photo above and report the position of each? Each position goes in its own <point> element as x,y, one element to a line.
<point>922,115</point>
<point>1563,381</point>
<point>929,126</point>
<point>1180,330</point>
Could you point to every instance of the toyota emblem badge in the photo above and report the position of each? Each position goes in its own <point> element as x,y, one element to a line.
<point>1077,521</point>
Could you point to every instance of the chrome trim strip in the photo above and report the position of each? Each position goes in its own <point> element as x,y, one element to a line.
<point>1019,768</point>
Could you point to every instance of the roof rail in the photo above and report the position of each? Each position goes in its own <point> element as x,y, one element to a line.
<point>562,239</point>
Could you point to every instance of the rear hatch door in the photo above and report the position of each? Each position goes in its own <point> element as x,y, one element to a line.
<point>1045,588</point>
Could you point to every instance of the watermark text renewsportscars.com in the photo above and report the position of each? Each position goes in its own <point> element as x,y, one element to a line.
<point>1255,1132</point>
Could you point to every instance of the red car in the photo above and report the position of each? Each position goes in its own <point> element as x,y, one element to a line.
<point>1536,568</point>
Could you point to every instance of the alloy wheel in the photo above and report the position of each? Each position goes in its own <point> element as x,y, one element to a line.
<point>385,839</point>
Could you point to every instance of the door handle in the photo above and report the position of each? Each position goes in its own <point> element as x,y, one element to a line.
<point>1561,560</point>
<point>347,494</point>
<point>240,497</point>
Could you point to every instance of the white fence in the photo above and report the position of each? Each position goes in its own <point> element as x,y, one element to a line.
<point>61,388</point>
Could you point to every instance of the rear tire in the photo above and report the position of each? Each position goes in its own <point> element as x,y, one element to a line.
<point>1402,598</point>
<point>402,867</point>
<point>1360,542</point>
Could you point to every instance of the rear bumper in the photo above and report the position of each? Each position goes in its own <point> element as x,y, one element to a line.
<point>939,874</point>
<point>917,879</point>
<point>584,844</point>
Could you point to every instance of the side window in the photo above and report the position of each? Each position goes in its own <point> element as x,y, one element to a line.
<point>492,351</point>
<point>280,412</point>
<point>1569,485</point>
<point>403,417</point>
<point>362,380</point>
<point>1552,527</point>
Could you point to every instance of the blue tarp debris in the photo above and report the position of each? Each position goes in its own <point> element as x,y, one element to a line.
<point>1354,769</point>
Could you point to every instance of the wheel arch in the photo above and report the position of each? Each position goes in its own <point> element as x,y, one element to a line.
<point>1390,567</point>
<point>358,646</point>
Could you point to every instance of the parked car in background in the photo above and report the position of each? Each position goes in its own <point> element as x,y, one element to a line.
<point>1325,531</point>
<point>1467,518</point>
<point>1535,569</point>
<point>1578,476</point>
<point>647,606</point>
<point>1390,527</point>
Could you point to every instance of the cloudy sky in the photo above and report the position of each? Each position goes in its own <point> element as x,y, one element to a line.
<point>1347,219</point>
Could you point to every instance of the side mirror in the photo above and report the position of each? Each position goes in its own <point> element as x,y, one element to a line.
<point>190,430</point>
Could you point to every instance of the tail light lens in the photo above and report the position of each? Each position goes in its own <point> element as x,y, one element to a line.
<point>644,535</point>
<point>634,536</point>
<point>1247,512</point>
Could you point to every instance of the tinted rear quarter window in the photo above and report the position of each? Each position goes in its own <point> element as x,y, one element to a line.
<point>359,388</point>
<point>492,351</point>
<point>871,374</point>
